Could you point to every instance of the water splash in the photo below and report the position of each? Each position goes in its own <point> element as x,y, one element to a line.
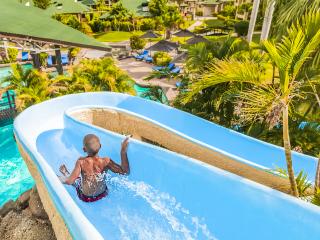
<point>163,204</point>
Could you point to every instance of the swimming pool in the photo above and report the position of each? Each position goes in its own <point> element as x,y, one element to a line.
<point>140,90</point>
<point>5,71</point>
<point>14,175</point>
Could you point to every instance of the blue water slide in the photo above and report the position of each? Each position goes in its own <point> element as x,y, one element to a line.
<point>166,195</point>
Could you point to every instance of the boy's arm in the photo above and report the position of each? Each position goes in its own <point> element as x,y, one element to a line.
<point>74,175</point>
<point>124,167</point>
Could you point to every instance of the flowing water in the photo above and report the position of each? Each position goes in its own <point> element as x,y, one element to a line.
<point>14,175</point>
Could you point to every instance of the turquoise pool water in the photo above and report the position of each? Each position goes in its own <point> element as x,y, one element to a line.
<point>14,175</point>
<point>140,90</point>
<point>5,71</point>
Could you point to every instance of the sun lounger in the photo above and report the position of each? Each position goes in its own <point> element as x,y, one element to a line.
<point>141,56</point>
<point>49,60</point>
<point>148,59</point>
<point>64,59</point>
<point>24,56</point>
<point>159,68</point>
<point>176,70</point>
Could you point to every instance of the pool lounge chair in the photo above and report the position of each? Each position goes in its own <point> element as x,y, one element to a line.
<point>159,68</point>
<point>49,60</point>
<point>141,56</point>
<point>176,70</point>
<point>24,56</point>
<point>148,59</point>
<point>64,59</point>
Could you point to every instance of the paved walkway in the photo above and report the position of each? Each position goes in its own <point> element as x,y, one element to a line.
<point>193,26</point>
<point>138,70</point>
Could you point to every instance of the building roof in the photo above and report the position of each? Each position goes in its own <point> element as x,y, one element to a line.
<point>62,6</point>
<point>23,22</point>
<point>65,7</point>
<point>136,7</point>
<point>88,2</point>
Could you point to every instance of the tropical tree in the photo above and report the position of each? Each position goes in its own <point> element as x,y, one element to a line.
<point>267,20</point>
<point>261,99</point>
<point>158,7</point>
<point>171,19</point>
<point>31,86</point>
<point>288,11</point>
<point>98,75</point>
<point>253,19</point>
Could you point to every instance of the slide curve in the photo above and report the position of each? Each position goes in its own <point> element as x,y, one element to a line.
<point>167,195</point>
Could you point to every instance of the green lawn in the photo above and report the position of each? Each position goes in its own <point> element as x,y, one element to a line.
<point>115,36</point>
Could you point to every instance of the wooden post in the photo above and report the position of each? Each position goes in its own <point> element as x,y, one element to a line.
<point>58,59</point>
<point>36,60</point>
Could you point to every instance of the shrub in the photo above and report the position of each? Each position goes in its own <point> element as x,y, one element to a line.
<point>137,43</point>
<point>241,28</point>
<point>12,54</point>
<point>162,58</point>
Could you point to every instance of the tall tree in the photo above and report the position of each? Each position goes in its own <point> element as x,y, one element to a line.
<point>267,20</point>
<point>294,57</point>
<point>171,19</point>
<point>253,19</point>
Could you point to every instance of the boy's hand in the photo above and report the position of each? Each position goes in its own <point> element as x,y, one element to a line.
<point>124,144</point>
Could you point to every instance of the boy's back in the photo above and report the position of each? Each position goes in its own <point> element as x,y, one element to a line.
<point>93,171</point>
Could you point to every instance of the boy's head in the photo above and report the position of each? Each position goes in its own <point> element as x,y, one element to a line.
<point>91,144</point>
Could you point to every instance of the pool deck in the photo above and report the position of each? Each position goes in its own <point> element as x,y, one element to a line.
<point>139,70</point>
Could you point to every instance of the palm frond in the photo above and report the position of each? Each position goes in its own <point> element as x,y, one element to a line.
<point>223,71</point>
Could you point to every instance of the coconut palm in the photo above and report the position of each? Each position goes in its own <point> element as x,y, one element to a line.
<point>288,11</point>
<point>253,18</point>
<point>267,20</point>
<point>261,100</point>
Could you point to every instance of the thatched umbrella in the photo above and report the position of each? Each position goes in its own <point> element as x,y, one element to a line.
<point>163,46</point>
<point>184,33</point>
<point>197,39</point>
<point>150,34</point>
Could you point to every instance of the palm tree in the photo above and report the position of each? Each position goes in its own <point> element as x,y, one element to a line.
<point>287,11</point>
<point>171,19</point>
<point>99,75</point>
<point>267,20</point>
<point>202,54</point>
<point>253,18</point>
<point>261,100</point>
<point>31,86</point>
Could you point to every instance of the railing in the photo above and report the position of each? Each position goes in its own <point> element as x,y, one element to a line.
<point>7,108</point>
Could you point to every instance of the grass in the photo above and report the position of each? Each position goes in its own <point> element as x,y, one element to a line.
<point>115,36</point>
<point>256,38</point>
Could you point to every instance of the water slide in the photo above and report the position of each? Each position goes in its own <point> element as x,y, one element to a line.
<point>167,195</point>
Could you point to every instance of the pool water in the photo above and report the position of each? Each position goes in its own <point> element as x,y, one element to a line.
<point>140,90</point>
<point>5,71</point>
<point>14,175</point>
